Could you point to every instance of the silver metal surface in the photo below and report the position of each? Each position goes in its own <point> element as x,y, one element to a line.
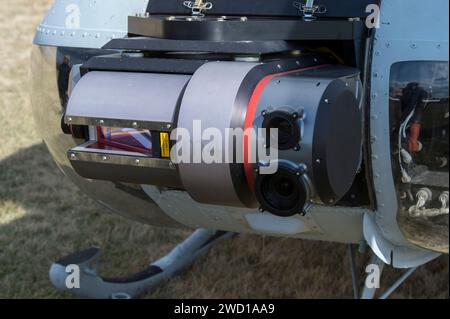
<point>210,98</point>
<point>129,100</point>
<point>82,153</point>
<point>126,200</point>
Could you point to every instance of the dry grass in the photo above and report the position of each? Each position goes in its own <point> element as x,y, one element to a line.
<point>41,218</point>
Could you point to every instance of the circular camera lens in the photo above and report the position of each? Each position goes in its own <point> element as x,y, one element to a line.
<point>288,129</point>
<point>282,194</point>
<point>283,187</point>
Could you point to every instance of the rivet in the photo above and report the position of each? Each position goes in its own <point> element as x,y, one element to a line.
<point>375,157</point>
<point>377,53</point>
<point>327,101</point>
<point>169,126</point>
<point>135,124</point>
<point>138,161</point>
<point>101,121</point>
<point>73,156</point>
<point>413,46</point>
<point>104,158</point>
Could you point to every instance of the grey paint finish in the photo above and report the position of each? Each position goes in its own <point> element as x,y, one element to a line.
<point>143,97</point>
<point>210,98</point>
<point>400,38</point>
<point>86,24</point>
<point>335,224</point>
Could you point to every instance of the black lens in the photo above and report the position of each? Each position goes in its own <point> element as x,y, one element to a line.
<point>288,129</point>
<point>282,194</point>
<point>283,186</point>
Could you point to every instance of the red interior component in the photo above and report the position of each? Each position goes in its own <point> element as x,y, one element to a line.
<point>413,140</point>
<point>131,140</point>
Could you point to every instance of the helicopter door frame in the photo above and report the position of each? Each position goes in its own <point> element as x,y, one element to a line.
<point>399,39</point>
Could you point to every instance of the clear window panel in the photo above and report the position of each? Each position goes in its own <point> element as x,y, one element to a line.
<point>419,129</point>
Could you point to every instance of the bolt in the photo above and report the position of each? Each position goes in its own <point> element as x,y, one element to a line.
<point>73,156</point>
<point>101,121</point>
<point>327,101</point>
<point>104,158</point>
<point>169,126</point>
<point>138,161</point>
<point>135,124</point>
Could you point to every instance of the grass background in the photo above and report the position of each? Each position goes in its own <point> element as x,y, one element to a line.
<point>43,217</point>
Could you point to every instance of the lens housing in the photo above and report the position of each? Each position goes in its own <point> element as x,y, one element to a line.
<point>284,193</point>
<point>288,125</point>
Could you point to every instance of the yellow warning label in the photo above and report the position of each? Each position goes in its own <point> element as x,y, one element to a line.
<point>165,144</point>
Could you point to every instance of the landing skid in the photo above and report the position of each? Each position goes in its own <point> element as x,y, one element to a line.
<point>92,286</point>
<point>369,292</point>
